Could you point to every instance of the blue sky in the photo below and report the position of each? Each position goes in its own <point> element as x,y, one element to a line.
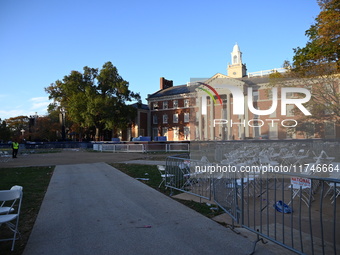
<point>42,41</point>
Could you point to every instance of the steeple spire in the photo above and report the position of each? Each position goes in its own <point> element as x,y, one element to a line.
<point>237,69</point>
<point>236,55</point>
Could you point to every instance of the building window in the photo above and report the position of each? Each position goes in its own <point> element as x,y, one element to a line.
<point>176,133</point>
<point>289,95</point>
<point>291,133</point>
<point>165,131</point>
<point>308,129</point>
<point>186,102</point>
<point>155,132</point>
<point>270,93</point>
<point>186,133</point>
<point>329,130</point>
<point>175,118</point>
<point>175,104</point>
<point>165,105</point>
<point>186,117</point>
<point>155,105</point>
<point>165,119</point>
<point>328,109</point>
<point>329,88</point>
<point>290,110</point>
<point>155,119</point>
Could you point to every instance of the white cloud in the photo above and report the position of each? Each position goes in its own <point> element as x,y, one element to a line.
<point>12,113</point>
<point>39,103</point>
<point>24,108</point>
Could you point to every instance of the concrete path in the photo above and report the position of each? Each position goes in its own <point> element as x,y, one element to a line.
<point>96,209</point>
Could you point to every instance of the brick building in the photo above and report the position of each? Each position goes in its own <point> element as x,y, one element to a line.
<point>139,126</point>
<point>170,109</point>
<point>227,107</point>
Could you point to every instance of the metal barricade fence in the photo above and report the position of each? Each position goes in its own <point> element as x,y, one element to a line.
<point>177,147</point>
<point>122,147</point>
<point>155,147</point>
<point>148,147</point>
<point>181,176</point>
<point>296,211</point>
<point>291,210</point>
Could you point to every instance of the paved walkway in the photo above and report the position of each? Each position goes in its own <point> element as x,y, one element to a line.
<point>96,209</point>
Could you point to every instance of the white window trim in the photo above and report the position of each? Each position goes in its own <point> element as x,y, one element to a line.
<point>186,117</point>
<point>175,105</point>
<point>186,102</point>
<point>165,119</point>
<point>175,118</point>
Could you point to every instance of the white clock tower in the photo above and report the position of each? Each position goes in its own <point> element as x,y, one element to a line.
<point>236,69</point>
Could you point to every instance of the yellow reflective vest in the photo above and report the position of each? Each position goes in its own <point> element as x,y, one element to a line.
<point>15,145</point>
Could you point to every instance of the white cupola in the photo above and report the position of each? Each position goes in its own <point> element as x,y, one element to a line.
<point>237,69</point>
<point>236,55</point>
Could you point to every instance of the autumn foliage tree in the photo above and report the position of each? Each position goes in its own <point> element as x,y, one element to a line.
<point>5,132</point>
<point>321,54</point>
<point>16,124</point>
<point>317,66</point>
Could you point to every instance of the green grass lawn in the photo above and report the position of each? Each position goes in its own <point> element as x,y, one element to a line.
<point>142,171</point>
<point>151,172</point>
<point>34,181</point>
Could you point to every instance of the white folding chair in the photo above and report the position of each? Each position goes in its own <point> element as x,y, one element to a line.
<point>7,209</point>
<point>334,187</point>
<point>324,158</point>
<point>165,177</point>
<point>12,199</point>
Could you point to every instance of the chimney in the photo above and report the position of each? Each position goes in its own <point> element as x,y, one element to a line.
<point>164,83</point>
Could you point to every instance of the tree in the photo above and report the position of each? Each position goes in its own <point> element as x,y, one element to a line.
<point>95,98</point>
<point>44,129</point>
<point>17,124</point>
<point>316,66</point>
<point>5,132</point>
<point>321,54</point>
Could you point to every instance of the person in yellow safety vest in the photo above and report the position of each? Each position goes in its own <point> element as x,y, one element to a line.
<point>15,148</point>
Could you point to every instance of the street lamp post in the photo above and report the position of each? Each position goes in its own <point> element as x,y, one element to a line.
<point>62,120</point>
<point>22,133</point>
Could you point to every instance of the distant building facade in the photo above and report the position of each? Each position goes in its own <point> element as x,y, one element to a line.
<point>204,109</point>
<point>170,109</point>
<point>140,126</point>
